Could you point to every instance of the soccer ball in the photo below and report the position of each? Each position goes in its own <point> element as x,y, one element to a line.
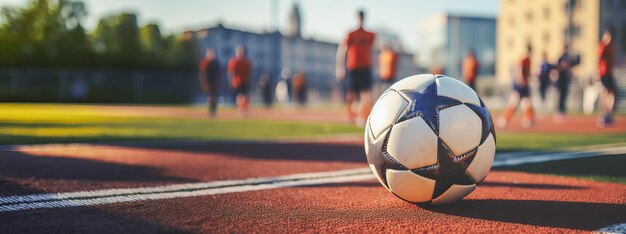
<point>430,139</point>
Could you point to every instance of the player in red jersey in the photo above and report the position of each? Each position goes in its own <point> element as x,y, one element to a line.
<point>605,67</point>
<point>520,94</point>
<point>387,66</point>
<point>470,68</point>
<point>356,51</point>
<point>239,68</point>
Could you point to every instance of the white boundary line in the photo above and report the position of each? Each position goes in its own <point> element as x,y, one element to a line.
<point>516,159</point>
<point>110,196</point>
<point>615,228</point>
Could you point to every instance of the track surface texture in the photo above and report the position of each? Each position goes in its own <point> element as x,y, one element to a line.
<point>505,202</point>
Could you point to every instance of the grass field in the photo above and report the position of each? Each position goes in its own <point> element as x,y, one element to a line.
<point>30,126</point>
<point>49,123</point>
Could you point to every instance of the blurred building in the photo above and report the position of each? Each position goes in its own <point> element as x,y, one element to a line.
<point>273,51</point>
<point>549,25</point>
<point>444,38</point>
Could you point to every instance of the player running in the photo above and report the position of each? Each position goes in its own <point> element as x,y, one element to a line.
<point>356,50</point>
<point>239,68</point>
<point>470,68</point>
<point>609,92</point>
<point>521,95</point>
<point>209,79</point>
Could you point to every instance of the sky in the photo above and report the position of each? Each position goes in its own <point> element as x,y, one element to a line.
<point>326,20</point>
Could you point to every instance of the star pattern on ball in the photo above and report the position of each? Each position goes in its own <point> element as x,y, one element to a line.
<point>427,104</point>
<point>380,158</point>
<point>449,169</point>
<point>485,118</point>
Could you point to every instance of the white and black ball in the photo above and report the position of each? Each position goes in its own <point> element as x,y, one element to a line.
<point>430,139</point>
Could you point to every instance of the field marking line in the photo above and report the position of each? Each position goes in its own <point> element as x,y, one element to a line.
<point>507,160</point>
<point>110,196</point>
<point>615,228</point>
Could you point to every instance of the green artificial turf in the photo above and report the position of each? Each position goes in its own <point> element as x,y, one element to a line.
<point>82,125</point>
<point>60,123</point>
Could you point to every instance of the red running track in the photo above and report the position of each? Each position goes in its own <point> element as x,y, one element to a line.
<point>505,202</point>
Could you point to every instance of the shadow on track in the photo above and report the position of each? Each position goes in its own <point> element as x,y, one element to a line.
<point>326,151</point>
<point>39,169</point>
<point>33,172</point>
<point>528,186</point>
<point>559,214</point>
<point>78,220</point>
<point>373,184</point>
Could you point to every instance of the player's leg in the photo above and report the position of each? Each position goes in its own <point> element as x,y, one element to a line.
<point>611,96</point>
<point>602,107</point>
<point>528,117</point>
<point>509,110</point>
<point>212,99</point>
<point>529,113</point>
<point>610,103</point>
<point>563,90</point>
<point>351,95</point>
<point>242,101</point>
<point>607,101</point>
<point>366,106</point>
<point>365,93</point>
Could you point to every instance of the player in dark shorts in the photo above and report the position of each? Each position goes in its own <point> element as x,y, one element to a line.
<point>356,51</point>
<point>209,79</point>
<point>606,65</point>
<point>360,80</point>
<point>519,95</point>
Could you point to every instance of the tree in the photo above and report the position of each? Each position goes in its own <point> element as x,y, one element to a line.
<point>49,33</point>
<point>182,52</point>
<point>117,40</point>
<point>39,33</point>
<point>152,44</point>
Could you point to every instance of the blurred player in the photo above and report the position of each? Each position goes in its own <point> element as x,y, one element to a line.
<point>356,50</point>
<point>470,68</point>
<point>265,89</point>
<point>299,88</point>
<point>388,62</point>
<point>239,68</point>
<point>545,79</point>
<point>545,70</point>
<point>609,92</point>
<point>519,95</point>
<point>209,79</point>
<point>564,66</point>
